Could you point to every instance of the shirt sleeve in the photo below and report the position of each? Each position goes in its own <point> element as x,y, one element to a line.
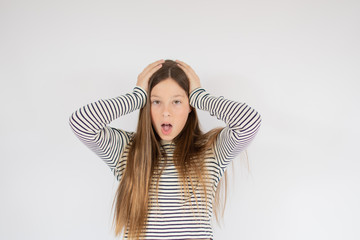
<point>242,123</point>
<point>90,124</point>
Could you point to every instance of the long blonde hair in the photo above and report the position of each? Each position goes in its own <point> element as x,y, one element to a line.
<point>142,165</point>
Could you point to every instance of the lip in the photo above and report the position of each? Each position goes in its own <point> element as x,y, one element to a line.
<point>166,123</point>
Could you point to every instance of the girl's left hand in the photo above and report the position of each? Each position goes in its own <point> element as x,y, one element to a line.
<point>194,80</point>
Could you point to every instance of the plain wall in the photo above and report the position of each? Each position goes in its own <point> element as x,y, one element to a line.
<point>296,62</point>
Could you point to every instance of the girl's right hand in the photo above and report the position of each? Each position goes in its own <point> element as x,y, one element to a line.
<point>144,76</point>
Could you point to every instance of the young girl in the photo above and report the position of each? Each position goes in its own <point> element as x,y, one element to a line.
<point>168,170</point>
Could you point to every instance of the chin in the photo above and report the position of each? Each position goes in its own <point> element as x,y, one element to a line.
<point>167,138</point>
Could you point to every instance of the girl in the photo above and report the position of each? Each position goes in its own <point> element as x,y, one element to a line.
<point>168,170</point>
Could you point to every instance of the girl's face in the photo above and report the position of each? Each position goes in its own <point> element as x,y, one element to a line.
<point>169,108</point>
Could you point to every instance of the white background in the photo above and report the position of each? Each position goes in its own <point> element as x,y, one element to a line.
<point>296,62</point>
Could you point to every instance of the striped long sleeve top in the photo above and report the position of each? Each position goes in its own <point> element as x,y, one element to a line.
<point>172,217</point>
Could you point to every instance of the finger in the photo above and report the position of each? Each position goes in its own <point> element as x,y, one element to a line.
<point>182,63</point>
<point>183,68</point>
<point>187,69</point>
<point>153,65</point>
<point>154,69</point>
<point>179,61</point>
<point>156,63</point>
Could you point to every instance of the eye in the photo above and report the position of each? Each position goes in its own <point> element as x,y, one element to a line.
<point>155,102</point>
<point>177,102</point>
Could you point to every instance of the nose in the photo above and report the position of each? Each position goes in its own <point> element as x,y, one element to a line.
<point>166,110</point>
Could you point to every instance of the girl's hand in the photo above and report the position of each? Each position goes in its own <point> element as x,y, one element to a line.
<point>194,80</point>
<point>144,76</point>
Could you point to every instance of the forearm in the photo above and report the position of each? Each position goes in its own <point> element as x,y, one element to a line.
<point>90,125</point>
<point>87,121</point>
<point>242,123</point>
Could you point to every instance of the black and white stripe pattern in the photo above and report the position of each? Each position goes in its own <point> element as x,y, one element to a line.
<point>242,123</point>
<point>172,218</point>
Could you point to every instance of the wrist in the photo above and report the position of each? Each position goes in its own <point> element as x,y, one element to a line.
<point>141,94</point>
<point>142,87</point>
<point>194,88</point>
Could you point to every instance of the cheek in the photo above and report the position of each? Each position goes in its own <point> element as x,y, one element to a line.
<point>155,117</point>
<point>184,116</point>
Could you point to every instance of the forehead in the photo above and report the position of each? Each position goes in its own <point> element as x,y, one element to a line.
<point>167,88</point>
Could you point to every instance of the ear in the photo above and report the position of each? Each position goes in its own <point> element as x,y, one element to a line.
<point>190,110</point>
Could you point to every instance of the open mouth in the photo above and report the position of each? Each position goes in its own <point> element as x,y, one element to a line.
<point>166,128</point>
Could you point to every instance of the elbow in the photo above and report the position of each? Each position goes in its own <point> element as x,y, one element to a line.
<point>72,122</point>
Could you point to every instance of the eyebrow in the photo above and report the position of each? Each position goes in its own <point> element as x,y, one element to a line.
<point>172,96</point>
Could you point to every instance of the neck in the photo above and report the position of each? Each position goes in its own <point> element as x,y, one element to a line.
<point>162,141</point>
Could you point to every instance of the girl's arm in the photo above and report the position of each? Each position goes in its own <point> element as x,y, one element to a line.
<point>90,125</point>
<point>242,123</point>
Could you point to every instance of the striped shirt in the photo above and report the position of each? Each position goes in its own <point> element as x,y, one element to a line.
<point>171,218</point>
